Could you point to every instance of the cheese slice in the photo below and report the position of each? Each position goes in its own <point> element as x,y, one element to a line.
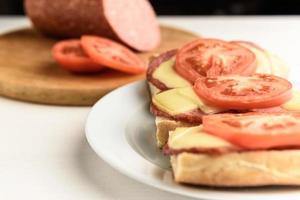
<point>294,103</point>
<point>262,60</point>
<point>181,100</point>
<point>278,66</point>
<point>166,74</point>
<point>194,137</point>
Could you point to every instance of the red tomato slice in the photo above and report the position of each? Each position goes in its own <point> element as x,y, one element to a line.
<point>269,110</point>
<point>212,57</point>
<point>69,54</point>
<point>244,92</point>
<point>113,55</point>
<point>256,130</point>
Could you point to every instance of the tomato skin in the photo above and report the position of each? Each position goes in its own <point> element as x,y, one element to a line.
<point>213,57</point>
<point>256,131</point>
<point>112,54</point>
<point>69,54</point>
<point>238,92</point>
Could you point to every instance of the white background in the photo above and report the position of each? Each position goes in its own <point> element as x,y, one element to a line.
<point>43,150</point>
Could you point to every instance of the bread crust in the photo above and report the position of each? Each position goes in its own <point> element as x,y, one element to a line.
<point>163,126</point>
<point>153,89</point>
<point>256,168</point>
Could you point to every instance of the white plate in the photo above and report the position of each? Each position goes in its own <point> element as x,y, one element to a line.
<point>121,131</point>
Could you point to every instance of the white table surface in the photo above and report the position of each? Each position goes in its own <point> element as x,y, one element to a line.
<point>43,150</point>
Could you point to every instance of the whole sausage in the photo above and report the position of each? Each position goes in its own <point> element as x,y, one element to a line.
<point>132,22</point>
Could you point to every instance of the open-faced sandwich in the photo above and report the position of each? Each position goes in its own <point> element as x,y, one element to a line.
<point>226,114</point>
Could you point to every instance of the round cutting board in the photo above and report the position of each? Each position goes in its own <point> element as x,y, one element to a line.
<point>29,73</point>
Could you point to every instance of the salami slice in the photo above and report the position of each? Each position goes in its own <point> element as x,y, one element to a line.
<point>154,64</point>
<point>198,150</point>
<point>195,116</point>
<point>131,22</point>
<point>192,117</point>
<point>216,151</point>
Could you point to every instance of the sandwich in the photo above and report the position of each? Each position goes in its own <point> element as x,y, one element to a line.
<point>226,112</point>
<point>165,72</point>
<point>202,158</point>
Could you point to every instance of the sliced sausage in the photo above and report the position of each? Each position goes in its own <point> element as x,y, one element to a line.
<point>193,117</point>
<point>132,22</point>
<point>154,64</point>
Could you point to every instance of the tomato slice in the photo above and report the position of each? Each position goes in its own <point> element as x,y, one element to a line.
<point>113,55</point>
<point>256,130</point>
<point>212,57</point>
<point>244,92</point>
<point>69,54</point>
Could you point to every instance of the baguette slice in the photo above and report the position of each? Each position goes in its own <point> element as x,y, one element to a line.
<point>255,168</point>
<point>204,159</point>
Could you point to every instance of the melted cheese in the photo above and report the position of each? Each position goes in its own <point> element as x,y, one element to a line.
<point>166,74</point>
<point>194,137</point>
<point>294,103</point>
<point>181,100</point>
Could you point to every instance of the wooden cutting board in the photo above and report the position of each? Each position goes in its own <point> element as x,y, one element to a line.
<point>29,73</point>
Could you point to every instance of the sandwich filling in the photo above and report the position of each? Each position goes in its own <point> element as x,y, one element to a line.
<point>196,140</point>
<point>163,76</point>
<point>181,104</point>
